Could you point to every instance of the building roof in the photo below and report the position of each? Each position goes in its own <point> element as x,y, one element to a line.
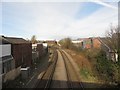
<point>104,42</point>
<point>34,45</point>
<point>45,44</point>
<point>77,41</point>
<point>3,40</point>
<point>15,40</point>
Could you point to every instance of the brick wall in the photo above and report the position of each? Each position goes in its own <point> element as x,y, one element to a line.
<point>22,54</point>
<point>96,43</point>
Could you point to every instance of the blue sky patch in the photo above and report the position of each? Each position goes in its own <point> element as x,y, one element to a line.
<point>87,9</point>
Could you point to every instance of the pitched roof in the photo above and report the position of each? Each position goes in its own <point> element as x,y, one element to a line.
<point>3,40</point>
<point>15,40</point>
<point>104,42</point>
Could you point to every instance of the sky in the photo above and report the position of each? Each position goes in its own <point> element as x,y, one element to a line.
<point>57,19</point>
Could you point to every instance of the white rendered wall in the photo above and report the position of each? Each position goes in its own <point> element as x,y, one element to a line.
<point>6,50</point>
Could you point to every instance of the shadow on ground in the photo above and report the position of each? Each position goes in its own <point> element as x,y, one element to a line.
<point>61,84</point>
<point>35,69</point>
<point>85,85</point>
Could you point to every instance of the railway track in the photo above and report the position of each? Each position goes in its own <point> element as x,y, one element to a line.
<point>46,78</point>
<point>73,79</point>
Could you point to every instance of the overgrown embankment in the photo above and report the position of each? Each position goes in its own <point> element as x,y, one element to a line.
<point>93,64</point>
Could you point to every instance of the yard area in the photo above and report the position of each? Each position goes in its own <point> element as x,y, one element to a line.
<point>29,82</point>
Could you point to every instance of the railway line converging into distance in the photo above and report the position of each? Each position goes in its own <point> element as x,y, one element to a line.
<point>60,73</point>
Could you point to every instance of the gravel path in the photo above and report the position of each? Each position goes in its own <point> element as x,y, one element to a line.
<point>59,78</point>
<point>77,70</point>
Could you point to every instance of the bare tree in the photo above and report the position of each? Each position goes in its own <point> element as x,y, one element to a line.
<point>112,39</point>
<point>33,39</point>
<point>66,43</point>
<point>119,44</point>
<point>119,55</point>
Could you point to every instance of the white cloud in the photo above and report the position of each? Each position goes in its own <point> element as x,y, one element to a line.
<point>51,19</point>
<point>104,4</point>
<point>57,20</point>
<point>95,24</point>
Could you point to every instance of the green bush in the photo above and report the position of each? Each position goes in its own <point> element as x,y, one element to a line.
<point>66,43</point>
<point>106,68</point>
<point>90,53</point>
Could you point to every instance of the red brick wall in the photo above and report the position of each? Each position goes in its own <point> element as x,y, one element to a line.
<point>20,51</point>
<point>96,43</point>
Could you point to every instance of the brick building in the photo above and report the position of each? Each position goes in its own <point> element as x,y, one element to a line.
<point>38,50</point>
<point>92,42</point>
<point>21,51</point>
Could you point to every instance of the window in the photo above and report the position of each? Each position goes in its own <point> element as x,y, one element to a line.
<point>7,66</point>
<point>3,68</point>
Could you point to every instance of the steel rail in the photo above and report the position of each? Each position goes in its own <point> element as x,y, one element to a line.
<point>65,56</point>
<point>70,85</point>
<point>48,83</point>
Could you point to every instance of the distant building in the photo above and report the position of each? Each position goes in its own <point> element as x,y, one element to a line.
<point>38,50</point>
<point>96,42</point>
<point>77,43</point>
<point>50,42</point>
<point>35,54</point>
<point>45,46</point>
<point>100,43</point>
<point>88,43</point>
